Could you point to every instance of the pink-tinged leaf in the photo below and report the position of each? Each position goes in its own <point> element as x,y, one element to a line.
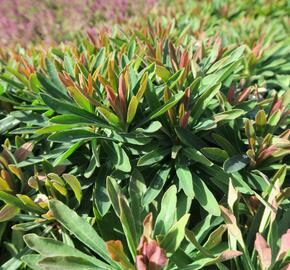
<point>147,226</point>
<point>198,53</point>
<point>184,120</point>
<point>218,44</point>
<point>141,249</point>
<point>83,59</point>
<point>91,34</point>
<point>232,226</point>
<point>267,153</point>
<point>172,53</point>
<point>186,97</point>
<point>231,93</point>
<point>23,152</point>
<point>258,46</point>
<point>256,49</point>
<point>285,245</point>
<point>264,251</point>
<point>112,98</point>
<point>245,93</point>
<point>122,94</point>
<point>140,263</point>
<point>229,254</point>
<point>150,255</point>
<point>287,267</point>
<point>156,255</point>
<point>183,60</point>
<point>277,106</point>
<point>254,203</point>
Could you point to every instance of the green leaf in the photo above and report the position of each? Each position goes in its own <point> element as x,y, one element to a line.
<point>70,119</point>
<point>197,156</point>
<point>132,109</point>
<point>174,237</point>
<point>66,108</point>
<point>203,101</point>
<point>27,226</point>
<point>114,191</point>
<point>165,218</point>
<point>163,73</point>
<point>32,260</point>
<point>164,108</point>
<point>18,75</point>
<point>173,80</point>
<point>79,98</point>
<point>228,115</point>
<point>73,135</point>
<point>128,225</point>
<point>7,212</point>
<point>100,195</point>
<point>192,238</point>
<point>156,186</point>
<point>67,262</point>
<point>109,116</point>
<point>261,121</point>
<point>185,180</point>
<point>34,83</point>
<point>204,196</point>
<point>75,185</point>
<point>234,56</point>
<point>60,159</point>
<point>143,85</point>
<point>235,163</point>
<point>12,200</point>
<point>80,228</point>
<point>53,74</point>
<point>68,65</point>
<point>123,162</point>
<point>54,128</point>
<point>48,247</point>
<point>153,157</point>
<point>224,143</point>
<point>30,203</point>
<point>215,154</point>
<point>215,238</point>
<point>152,128</point>
<point>51,89</point>
<point>137,189</point>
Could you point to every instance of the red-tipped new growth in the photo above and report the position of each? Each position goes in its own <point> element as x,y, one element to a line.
<point>150,255</point>
<point>114,102</point>
<point>122,95</point>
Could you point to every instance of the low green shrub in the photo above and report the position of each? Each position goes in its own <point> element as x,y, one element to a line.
<point>157,147</point>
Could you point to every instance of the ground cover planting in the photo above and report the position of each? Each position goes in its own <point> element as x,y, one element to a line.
<point>152,142</point>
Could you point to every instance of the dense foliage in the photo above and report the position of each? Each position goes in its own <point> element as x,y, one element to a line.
<point>161,145</point>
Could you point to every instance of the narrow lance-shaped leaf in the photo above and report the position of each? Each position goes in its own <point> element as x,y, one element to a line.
<point>116,250</point>
<point>128,225</point>
<point>264,251</point>
<point>133,105</point>
<point>75,185</point>
<point>50,248</point>
<point>174,237</point>
<point>80,228</point>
